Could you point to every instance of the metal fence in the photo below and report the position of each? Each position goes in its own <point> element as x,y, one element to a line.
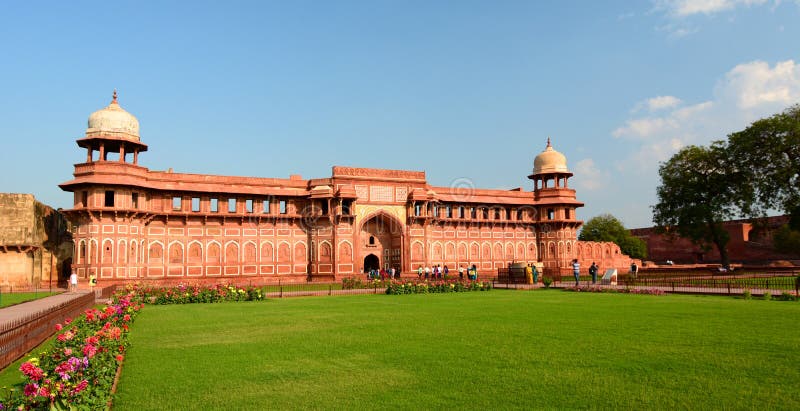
<point>319,289</point>
<point>20,336</point>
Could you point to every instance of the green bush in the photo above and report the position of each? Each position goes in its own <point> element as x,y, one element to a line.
<point>547,281</point>
<point>747,295</point>
<point>767,296</point>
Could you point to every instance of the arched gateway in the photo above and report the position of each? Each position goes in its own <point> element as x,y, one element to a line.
<point>381,236</point>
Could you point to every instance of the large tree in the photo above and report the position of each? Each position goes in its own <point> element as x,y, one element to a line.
<point>697,193</point>
<point>606,227</point>
<point>768,152</point>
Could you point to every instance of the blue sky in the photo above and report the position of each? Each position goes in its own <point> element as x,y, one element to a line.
<point>460,89</point>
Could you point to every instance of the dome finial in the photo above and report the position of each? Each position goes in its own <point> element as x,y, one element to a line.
<point>548,142</point>
<point>114,100</point>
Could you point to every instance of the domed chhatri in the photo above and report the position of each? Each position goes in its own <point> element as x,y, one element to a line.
<point>550,161</point>
<point>114,122</point>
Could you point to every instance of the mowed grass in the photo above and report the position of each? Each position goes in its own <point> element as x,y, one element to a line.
<point>7,299</point>
<point>501,349</point>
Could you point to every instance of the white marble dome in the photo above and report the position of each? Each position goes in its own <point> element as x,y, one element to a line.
<point>113,121</point>
<point>550,161</point>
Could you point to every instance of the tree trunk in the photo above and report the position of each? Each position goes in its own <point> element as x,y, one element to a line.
<point>721,241</point>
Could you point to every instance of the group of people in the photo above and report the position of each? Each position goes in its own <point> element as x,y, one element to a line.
<point>383,273</point>
<point>593,269</point>
<point>439,272</point>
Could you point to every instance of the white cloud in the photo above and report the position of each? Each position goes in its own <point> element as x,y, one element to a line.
<point>746,93</point>
<point>658,103</point>
<point>755,84</point>
<point>683,8</point>
<point>589,177</point>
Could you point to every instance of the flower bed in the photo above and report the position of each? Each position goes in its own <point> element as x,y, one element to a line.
<point>78,371</point>
<point>190,294</point>
<point>597,289</point>
<point>425,287</point>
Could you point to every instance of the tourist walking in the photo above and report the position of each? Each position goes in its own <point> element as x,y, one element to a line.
<point>419,272</point>
<point>461,272</point>
<point>634,269</point>
<point>593,272</point>
<point>576,271</point>
<point>427,272</point>
<point>73,281</point>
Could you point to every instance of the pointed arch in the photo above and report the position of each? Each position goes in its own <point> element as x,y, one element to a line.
<point>324,252</point>
<point>195,252</point>
<point>250,252</point>
<point>108,251</point>
<point>213,252</point>
<point>449,250</point>
<point>155,252</point>
<point>284,252</point>
<point>417,250</point>
<point>231,252</point>
<point>267,251</point>
<point>175,252</point>
<point>520,254</point>
<point>82,259</point>
<point>474,251</point>
<point>497,252</point>
<point>486,251</point>
<point>436,251</point>
<point>300,253</point>
<point>462,254</point>
<point>134,256</point>
<point>532,255</point>
<point>509,251</point>
<point>345,253</point>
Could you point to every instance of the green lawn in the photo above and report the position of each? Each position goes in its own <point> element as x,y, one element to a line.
<point>7,299</point>
<point>480,350</point>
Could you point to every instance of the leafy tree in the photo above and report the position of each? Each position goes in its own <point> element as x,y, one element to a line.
<point>697,194</point>
<point>768,151</point>
<point>787,240</point>
<point>606,227</point>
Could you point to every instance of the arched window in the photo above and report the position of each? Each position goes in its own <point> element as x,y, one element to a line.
<point>371,240</point>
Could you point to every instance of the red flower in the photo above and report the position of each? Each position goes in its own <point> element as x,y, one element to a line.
<point>120,357</point>
<point>59,327</point>
<point>31,390</point>
<point>126,318</point>
<point>31,371</point>
<point>115,333</point>
<point>89,350</point>
<point>80,387</point>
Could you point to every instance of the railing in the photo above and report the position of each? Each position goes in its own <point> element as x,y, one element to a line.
<point>20,336</point>
<point>727,284</point>
<point>318,289</point>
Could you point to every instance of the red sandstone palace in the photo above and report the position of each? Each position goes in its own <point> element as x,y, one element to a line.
<point>132,223</point>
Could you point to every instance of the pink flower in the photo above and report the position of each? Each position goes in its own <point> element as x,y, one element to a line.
<point>80,387</point>
<point>126,318</point>
<point>31,371</point>
<point>59,327</point>
<point>89,350</point>
<point>67,351</point>
<point>115,333</point>
<point>31,390</point>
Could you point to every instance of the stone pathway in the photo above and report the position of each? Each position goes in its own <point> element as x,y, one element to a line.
<point>16,312</point>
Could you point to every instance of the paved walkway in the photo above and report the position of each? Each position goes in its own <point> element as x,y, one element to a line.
<point>15,312</point>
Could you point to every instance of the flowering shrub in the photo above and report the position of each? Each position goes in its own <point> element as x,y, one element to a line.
<point>424,287</point>
<point>78,371</point>
<point>186,294</point>
<point>597,289</point>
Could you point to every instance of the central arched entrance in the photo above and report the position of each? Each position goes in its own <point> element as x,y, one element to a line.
<point>381,237</point>
<point>372,262</point>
